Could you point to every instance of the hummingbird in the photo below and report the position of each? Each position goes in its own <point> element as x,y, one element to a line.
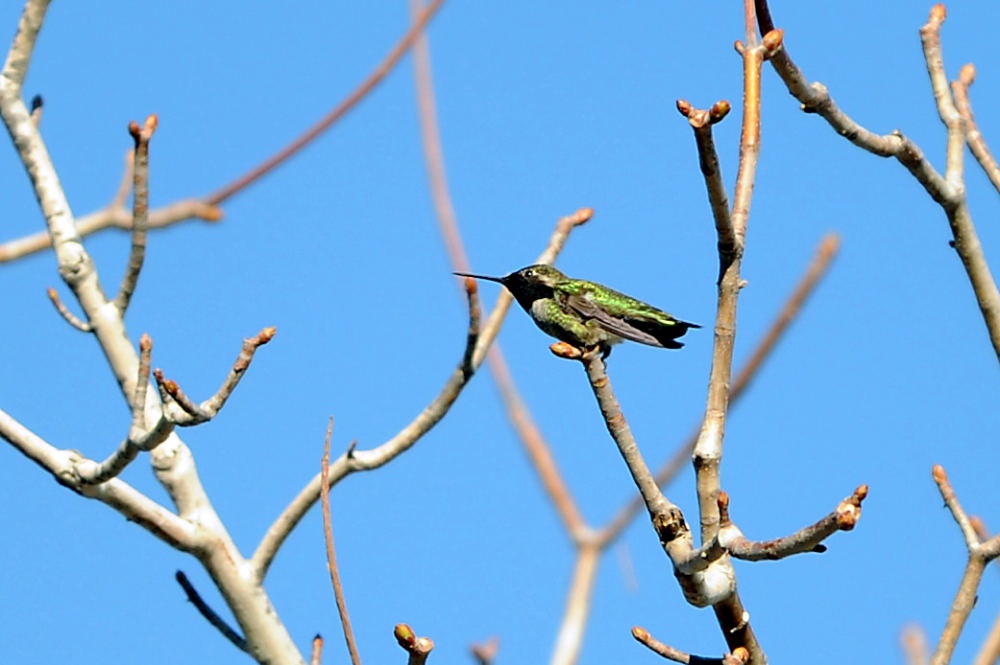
<point>587,314</point>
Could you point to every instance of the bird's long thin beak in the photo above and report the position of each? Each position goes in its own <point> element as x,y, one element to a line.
<point>492,279</point>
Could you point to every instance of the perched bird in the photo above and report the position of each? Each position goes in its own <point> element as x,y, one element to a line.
<point>586,314</point>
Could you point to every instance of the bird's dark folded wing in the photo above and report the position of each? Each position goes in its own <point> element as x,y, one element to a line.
<point>621,327</point>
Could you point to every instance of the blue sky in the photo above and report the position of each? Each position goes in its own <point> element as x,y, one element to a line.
<point>544,108</point>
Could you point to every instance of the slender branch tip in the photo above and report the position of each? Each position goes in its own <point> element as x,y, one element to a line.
<point>938,14</point>
<point>940,477</point>
<point>145,342</point>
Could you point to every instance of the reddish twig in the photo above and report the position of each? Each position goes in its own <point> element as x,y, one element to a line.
<point>140,210</point>
<point>913,640</point>
<point>739,656</point>
<point>335,114</point>
<point>331,552</point>
<point>485,652</point>
<point>808,539</point>
<point>531,437</point>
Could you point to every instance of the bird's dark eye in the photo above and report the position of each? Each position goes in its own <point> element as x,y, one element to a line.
<point>529,273</point>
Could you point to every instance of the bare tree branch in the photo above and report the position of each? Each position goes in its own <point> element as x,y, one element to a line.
<point>975,139</point>
<point>531,437</point>
<point>739,656</point>
<point>825,253</point>
<point>574,622</point>
<point>139,438</point>
<point>122,497</point>
<point>207,208</point>
<point>913,639</point>
<point>808,539</point>
<point>948,191</point>
<point>140,210</point>
<point>331,551</point>
<point>194,414</point>
<point>209,614</point>
<point>980,554</point>
<point>339,111</point>
<point>989,652</point>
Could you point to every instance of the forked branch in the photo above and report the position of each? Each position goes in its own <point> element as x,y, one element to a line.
<point>808,539</point>
<point>190,413</point>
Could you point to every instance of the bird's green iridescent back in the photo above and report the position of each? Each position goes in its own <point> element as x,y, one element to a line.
<point>614,302</point>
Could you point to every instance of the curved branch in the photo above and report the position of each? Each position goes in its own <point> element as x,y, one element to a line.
<point>808,539</point>
<point>339,111</point>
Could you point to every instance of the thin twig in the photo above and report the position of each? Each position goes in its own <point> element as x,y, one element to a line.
<point>207,208</point>
<point>913,640</point>
<point>209,614</point>
<point>989,652</point>
<point>979,555</point>
<point>195,414</point>
<point>418,647</point>
<point>486,652</point>
<point>67,315</point>
<point>656,502</point>
<point>574,621</point>
<point>701,121</point>
<point>140,210</point>
<point>808,539</point>
<point>739,656</point>
<point>975,139</point>
<point>331,551</point>
<point>113,217</point>
<point>341,109</point>
<point>366,460</point>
